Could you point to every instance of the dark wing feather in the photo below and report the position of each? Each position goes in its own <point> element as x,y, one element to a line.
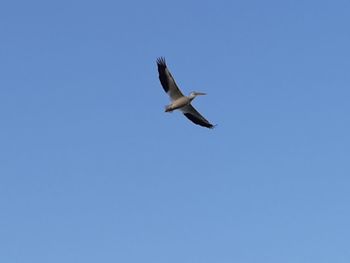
<point>167,80</point>
<point>193,115</point>
<point>162,73</point>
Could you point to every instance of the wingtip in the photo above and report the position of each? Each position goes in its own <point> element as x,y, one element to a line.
<point>161,61</point>
<point>210,126</point>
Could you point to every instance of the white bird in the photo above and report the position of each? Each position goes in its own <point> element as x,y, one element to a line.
<point>178,100</point>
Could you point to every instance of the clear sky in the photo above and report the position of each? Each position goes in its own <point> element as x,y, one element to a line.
<point>93,170</point>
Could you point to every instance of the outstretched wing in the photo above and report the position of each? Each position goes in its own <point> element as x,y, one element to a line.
<point>193,115</point>
<point>167,80</point>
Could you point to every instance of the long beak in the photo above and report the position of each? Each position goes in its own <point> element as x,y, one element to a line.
<point>201,93</point>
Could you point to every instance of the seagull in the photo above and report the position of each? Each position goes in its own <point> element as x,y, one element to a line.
<point>178,100</point>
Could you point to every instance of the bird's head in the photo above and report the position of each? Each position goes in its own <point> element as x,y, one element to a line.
<point>194,94</point>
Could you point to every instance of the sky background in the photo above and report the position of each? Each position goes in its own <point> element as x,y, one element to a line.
<point>93,170</point>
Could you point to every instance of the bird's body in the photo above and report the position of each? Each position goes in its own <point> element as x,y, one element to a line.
<point>178,100</point>
<point>178,103</point>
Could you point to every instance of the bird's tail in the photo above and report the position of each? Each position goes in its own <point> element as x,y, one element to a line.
<point>167,108</point>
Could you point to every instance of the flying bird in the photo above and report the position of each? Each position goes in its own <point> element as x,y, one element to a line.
<point>178,100</point>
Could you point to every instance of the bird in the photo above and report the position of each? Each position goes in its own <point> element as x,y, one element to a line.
<point>178,100</point>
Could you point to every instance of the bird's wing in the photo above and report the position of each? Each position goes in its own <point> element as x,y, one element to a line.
<point>167,80</point>
<point>193,115</point>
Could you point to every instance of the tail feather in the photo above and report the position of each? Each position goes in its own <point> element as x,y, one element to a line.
<point>168,108</point>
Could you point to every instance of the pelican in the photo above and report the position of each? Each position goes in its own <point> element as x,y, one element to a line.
<point>178,100</point>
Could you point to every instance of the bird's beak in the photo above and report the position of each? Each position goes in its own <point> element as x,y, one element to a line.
<point>201,93</point>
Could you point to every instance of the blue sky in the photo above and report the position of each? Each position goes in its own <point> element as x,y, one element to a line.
<point>93,170</point>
